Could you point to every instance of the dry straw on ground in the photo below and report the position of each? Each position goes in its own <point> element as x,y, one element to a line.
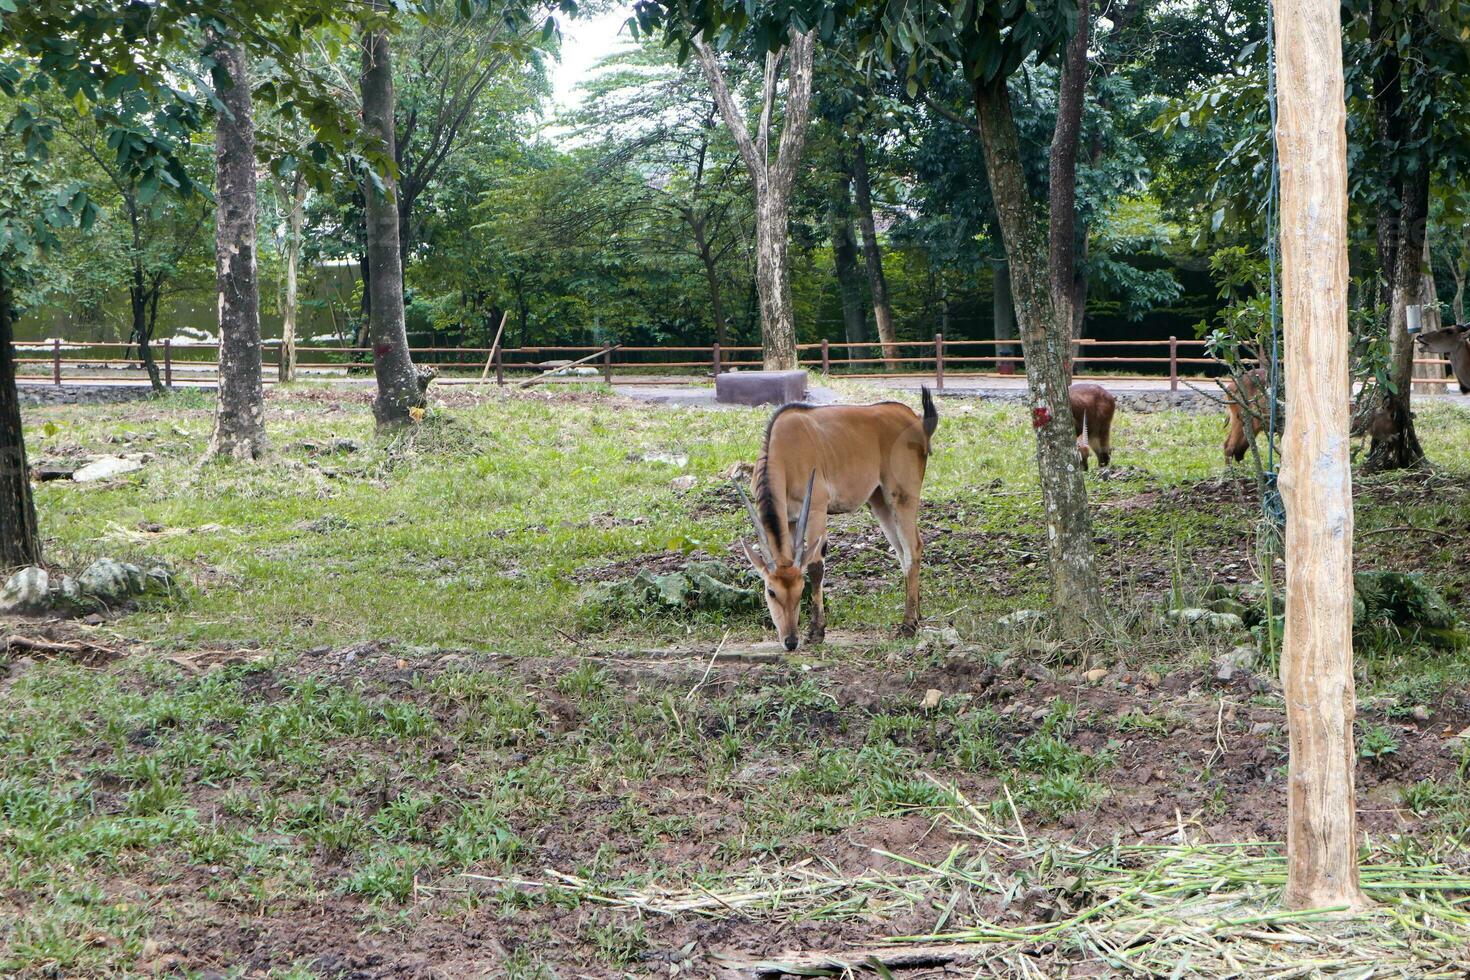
<point>1154,910</point>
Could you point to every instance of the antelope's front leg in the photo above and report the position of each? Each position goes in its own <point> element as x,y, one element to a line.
<point>817,631</point>
<point>909,560</point>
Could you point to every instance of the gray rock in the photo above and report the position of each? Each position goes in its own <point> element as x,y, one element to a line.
<point>105,468</point>
<point>946,638</point>
<point>26,593</point>
<point>1420,713</point>
<point>110,581</point>
<point>1020,618</point>
<point>343,445</point>
<point>67,597</point>
<point>1205,618</point>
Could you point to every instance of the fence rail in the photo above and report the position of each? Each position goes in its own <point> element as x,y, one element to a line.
<point>195,364</point>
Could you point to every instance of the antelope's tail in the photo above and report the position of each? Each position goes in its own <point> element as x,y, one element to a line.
<point>931,414</point>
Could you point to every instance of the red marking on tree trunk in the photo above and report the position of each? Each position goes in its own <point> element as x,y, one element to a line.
<point>381,349</point>
<point>1040,416</point>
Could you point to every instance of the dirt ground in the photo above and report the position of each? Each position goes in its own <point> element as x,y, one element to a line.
<point>1210,769</point>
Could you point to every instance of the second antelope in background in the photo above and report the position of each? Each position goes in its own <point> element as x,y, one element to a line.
<point>1092,414</point>
<point>833,460</point>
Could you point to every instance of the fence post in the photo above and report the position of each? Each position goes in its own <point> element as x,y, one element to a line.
<point>56,360</point>
<point>1174,369</point>
<point>499,364</point>
<point>939,361</point>
<point>826,359</point>
<point>607,362</point>
<point>168,363</point>
<point>715,356</point>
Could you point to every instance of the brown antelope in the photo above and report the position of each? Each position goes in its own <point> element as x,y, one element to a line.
<point>1092,414</point>
<point>833,460</point>
<point>1454,341</point>
<point>1245,395</point>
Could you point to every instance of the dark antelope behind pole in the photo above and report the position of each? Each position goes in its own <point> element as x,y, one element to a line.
<point>1092,414</point>
<point>834,460</point>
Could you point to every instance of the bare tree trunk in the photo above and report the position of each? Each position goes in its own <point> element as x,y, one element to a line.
<point>138,294</point>
<point>399,389</point>
<point>1062,266</point>
<point>844,261</point>
<point>711,278</point>
<point>773,181</point>
<point>294,219</point>
<point>1046,338</point>
<point>872,254</point>
<point>20,539</point>
<point>239,417</point>
<point>1003,311</point>
<point>1395,445</point>
<point>1316,479</point>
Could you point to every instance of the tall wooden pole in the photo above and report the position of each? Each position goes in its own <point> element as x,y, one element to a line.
<point>1316,480</point>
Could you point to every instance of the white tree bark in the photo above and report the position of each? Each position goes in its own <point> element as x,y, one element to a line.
<point>296,203</point>
<point>773,181</point>
<point>1316,481</point>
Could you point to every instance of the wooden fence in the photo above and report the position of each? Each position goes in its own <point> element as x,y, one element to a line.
<point>195,364</point>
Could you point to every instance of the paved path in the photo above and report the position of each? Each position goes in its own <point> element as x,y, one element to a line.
<point>1154,390</point>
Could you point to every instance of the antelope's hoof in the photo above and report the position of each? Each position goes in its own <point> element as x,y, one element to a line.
<point>816,636</point>
<point>908,631</point>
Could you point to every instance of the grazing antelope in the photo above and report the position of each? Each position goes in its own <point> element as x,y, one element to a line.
<point>1245,395</point>
<point>1092,414</point>
<point>1454,341</point>
<point>833,460</point>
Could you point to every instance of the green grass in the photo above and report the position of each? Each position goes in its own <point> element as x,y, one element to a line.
<point>468,531</point>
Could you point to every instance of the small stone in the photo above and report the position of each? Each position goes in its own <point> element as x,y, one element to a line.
<point>1040,713</point>
<point>1237,661</point>
<point>686,482</point>
<point>1420,713</point>
<point>939,639</point>
<point>342,445</point>
<point>1037,647</point>
<point>932,697</point>
<point>1263,728</point>
<point>1151,678</point>
<point>105,468</point>
<point>1095,675</point>
<point>1194,616</point>
<point>1020,618</point>
<point>26,593</point>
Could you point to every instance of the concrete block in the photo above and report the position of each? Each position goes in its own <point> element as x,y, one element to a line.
<point>760,387</point>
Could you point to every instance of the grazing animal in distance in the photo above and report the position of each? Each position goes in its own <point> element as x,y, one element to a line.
<point>1245,395</point>
<point>1453,341</point>
<point>1092,414</point>
<point>833,459</point>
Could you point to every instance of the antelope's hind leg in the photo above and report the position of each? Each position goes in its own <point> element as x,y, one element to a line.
<point>899,520</point>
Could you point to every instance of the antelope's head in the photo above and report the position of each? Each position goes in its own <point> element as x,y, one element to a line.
<point>784,578</point>
<point>1445,340</point>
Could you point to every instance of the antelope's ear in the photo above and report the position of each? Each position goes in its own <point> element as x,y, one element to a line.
<point>753,556</point>
<point>816,551</point>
